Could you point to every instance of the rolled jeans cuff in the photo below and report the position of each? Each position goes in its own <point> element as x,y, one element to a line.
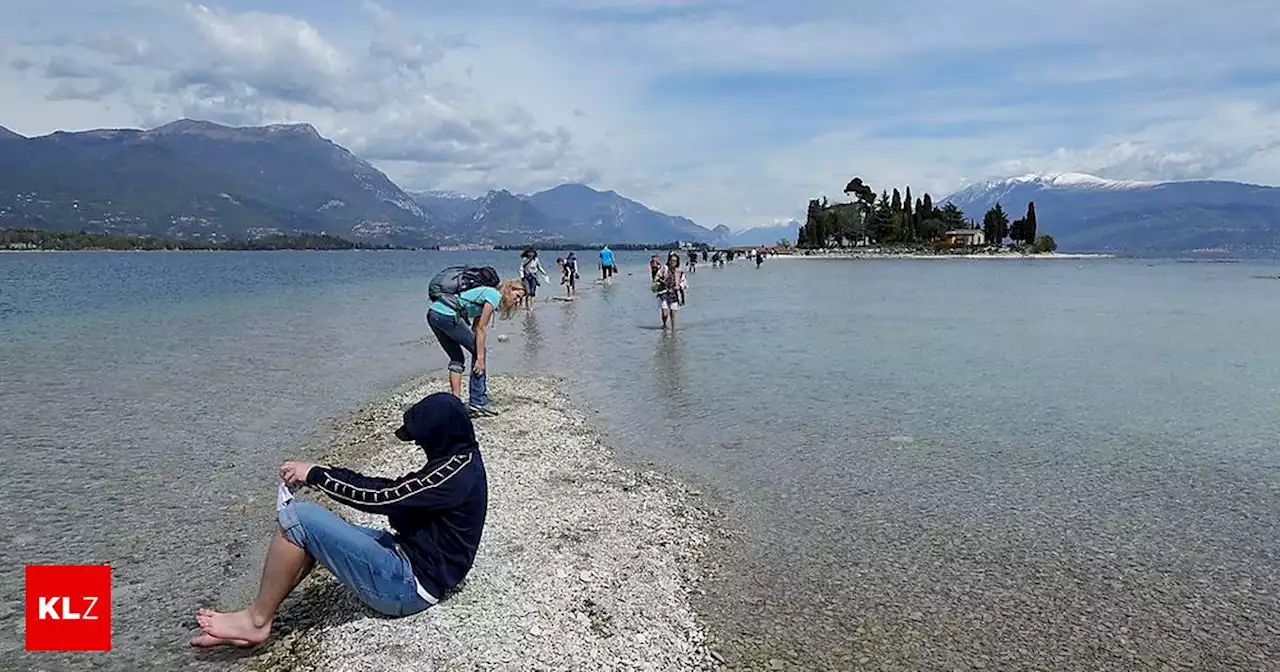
<point>292,528</point>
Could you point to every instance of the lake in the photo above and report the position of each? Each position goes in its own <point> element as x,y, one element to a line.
<point>923,464</point>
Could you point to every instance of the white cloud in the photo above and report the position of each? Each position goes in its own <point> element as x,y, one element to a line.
<point>733,111</point>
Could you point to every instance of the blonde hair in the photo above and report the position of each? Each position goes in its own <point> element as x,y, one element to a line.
<point>512,292</point>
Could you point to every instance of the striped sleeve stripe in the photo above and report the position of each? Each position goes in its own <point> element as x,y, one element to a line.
<point>342,490</point>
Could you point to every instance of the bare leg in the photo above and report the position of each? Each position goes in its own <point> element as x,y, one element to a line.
<point>665,314</point>
<point>285,568</point>
<point>455,384</point>
<point>673,320</point>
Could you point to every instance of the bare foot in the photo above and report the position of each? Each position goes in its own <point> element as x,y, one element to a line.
<point>234,625</point>
<point>207,641</point>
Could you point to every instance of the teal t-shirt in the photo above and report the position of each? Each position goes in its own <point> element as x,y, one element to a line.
<point>472,300</point>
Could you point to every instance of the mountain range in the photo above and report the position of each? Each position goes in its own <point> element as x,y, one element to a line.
<point>200,180</point>
<point>1089,213</point>
<point>204,181</point>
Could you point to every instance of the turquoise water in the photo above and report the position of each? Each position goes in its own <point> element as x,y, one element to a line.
<point>925,463</point>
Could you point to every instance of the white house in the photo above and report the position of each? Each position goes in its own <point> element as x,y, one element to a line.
<point>965,237</point>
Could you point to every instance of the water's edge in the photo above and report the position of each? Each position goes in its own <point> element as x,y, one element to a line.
<point>312,633</point>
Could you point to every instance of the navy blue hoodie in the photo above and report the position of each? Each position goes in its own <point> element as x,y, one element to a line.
<point>436,512</point>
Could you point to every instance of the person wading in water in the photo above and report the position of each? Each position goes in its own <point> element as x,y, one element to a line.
<point>655,267</point>
<point>669,287</point>
<point>530,269</point>
<point>569,274</point>
<point>607,267</point>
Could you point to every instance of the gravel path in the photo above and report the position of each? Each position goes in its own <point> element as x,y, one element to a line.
<point>583,566</point>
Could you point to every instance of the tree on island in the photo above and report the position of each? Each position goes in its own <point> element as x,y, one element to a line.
<point>908,217</point>
<point>892,219</point>
<point>881,225</point>
<point>995,225</point>
<point>1023,230</point>
<point>931,229</point>
<point>952,217</point>
<point>860,191</point>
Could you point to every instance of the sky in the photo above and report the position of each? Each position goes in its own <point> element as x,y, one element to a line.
<point>731,112</point>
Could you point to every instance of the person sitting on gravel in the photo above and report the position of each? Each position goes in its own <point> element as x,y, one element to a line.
<point>436,515</point>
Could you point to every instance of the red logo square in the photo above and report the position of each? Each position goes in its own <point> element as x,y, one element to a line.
<point>68,607</point>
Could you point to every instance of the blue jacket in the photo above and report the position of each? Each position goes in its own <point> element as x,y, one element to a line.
<point>437,512</point>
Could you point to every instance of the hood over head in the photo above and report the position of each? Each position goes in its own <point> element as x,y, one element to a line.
<point>439,424</point>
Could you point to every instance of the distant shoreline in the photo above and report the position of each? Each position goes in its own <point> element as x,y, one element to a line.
<point>52,250</point>
<point>29,240</point>
<point>878,254</point>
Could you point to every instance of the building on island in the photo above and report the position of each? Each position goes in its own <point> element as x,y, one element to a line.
<point>965,238</point>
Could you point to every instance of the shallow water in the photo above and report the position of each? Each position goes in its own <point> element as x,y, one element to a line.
<point>929,464</point>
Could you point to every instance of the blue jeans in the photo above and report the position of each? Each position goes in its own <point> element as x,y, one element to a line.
<point>366,560</point>
<point>455,335</point>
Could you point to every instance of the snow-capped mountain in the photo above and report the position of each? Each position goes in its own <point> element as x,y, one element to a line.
<point>1087,212</point>
<point>997,189</point>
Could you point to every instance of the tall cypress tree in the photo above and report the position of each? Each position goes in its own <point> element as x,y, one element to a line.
<point>995,225</point>
<point>808,235</point>
<point>928,211</point>
<point>1031,222</point>
<point>881,224</point>
<point>908,217</point>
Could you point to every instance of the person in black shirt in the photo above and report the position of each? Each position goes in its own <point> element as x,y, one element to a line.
<point>436,515</point>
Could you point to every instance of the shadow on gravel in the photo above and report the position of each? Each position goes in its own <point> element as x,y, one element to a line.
<point>318,604</point>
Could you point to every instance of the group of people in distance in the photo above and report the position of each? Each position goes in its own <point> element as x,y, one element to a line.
<point>531,271</point>
<point>436,514</point>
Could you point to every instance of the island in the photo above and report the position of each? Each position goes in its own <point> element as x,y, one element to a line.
<point>894,224</point>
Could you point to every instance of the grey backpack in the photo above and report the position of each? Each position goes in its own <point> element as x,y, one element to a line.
<point>451,282</point>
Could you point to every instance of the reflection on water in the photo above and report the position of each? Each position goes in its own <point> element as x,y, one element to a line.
<point>570,315</point>
<point>668,369</point>
<point>532,333</point>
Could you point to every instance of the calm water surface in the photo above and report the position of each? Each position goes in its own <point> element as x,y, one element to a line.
<point>925,464</point>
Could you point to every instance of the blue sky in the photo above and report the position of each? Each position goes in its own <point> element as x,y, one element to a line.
<point>731,111</point>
